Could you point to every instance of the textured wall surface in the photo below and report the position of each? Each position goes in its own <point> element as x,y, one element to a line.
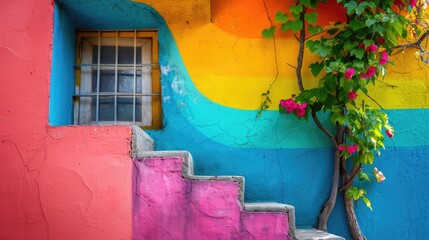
<point>169,206</point>
<point>85,184</point>
<point>213,75</point>
<point>55,183</point>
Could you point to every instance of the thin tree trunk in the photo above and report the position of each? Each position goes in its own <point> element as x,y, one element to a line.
<point>330,202</point>
<point>355,232</point>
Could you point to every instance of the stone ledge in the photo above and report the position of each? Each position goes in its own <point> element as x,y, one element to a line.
<point>268,207</point>
<point>314,234</point>
<point>274,207</point>
<point>141,142</point>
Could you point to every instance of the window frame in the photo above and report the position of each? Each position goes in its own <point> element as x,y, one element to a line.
<point>156,106</point>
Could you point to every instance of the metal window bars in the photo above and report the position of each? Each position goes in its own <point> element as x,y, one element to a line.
<point>100,66</point>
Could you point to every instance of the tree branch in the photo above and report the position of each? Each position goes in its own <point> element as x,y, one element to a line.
<point>290,65</point>
<point>330,202</point>
<point>349,179</point>
<point>379,105</point>
<point>301,51</point>
<point>416,44</point>
<point>265,104</point>
<point>321,127</point>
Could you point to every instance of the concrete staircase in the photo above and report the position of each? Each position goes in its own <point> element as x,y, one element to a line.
<point>170,202</point>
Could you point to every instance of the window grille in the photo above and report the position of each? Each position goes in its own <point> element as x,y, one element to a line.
<point>117,79</point>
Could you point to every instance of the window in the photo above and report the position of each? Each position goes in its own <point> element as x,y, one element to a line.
<point>117,79</point>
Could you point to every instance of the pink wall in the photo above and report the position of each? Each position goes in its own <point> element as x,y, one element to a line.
<point>55,183</point>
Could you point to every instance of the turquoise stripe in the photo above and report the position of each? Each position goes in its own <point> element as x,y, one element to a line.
<point>241,128</point>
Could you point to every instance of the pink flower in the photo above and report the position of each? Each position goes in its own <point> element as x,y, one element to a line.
<point>289,104</point>
<point>352,149</point>
<point>413,3</point>
<point>389,132</point>
<point>352,95</point>
<point>300,110</point>
<point>369,73</point>
<point>349,73</point>
<point>379,175</point>
<point>361,45</point>
<point>384,58</point>
<point>371,48</point>
<point>380,41</point>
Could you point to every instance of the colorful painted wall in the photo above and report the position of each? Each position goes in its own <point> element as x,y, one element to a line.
<point>214,68</point>
<point>211,101</point>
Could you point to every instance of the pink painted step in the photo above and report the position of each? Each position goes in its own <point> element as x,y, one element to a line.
<point>169,202</point>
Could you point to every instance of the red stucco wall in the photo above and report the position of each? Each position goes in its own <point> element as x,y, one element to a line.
<point>55,183</point>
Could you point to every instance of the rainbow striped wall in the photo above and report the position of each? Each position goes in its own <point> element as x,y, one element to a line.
<point>215,67</point>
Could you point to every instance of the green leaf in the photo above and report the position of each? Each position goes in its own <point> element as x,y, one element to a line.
<point>358,53</point>
<point>316,68</point>
<point>350,45</point>
<point>294,26</point>
<point>351,7</point>
<point>297,9</point>
<point>368,158</point>
<point>367,202</point>
<point>361,8</point>
<point>338,118</point>
<point>398,27</point>
<point>369,22</point>
<point>391,37</point>
<point>359,64</point>
<point>269,32</point>
<point>311,17</point>
<point>306,3</point>
<point>356,24</point>
<point>379,29</point>
<point>372,5</point>
<point>281,17</point>
<point>332,31</point>
<point>363,176</point>
<point>314,29</point>
<point>354,193</point>
<point>314,3</point>
<point>284,27</point>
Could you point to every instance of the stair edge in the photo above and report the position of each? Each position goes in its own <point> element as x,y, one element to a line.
<point>188,169</point>
<point>273,207</point>
<point>315,234</point>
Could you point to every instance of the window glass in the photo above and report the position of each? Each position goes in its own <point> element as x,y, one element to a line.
<point>118,79</point>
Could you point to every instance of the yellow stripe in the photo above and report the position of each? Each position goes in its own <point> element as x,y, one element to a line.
<point>234,72</point>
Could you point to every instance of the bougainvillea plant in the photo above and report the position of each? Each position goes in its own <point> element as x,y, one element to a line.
<point>352,55</point>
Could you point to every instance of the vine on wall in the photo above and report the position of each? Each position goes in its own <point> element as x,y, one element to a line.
<point>352,55</point>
